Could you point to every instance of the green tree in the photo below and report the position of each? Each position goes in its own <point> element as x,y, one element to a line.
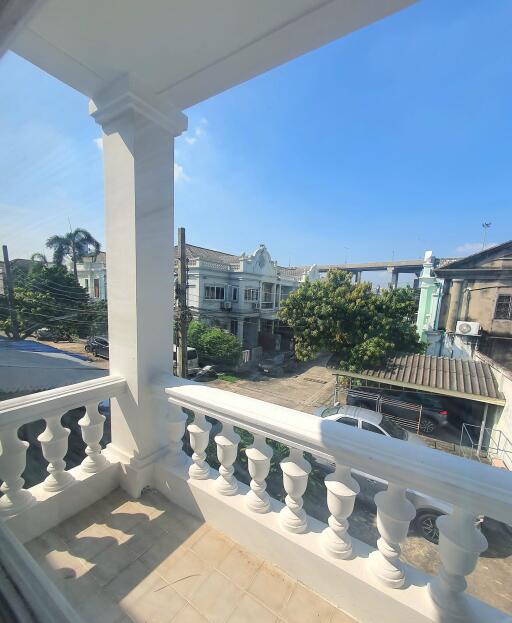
<point>213,344</point>
<point>48,296</point>
<point>75,245</point>
<point>362,327</point>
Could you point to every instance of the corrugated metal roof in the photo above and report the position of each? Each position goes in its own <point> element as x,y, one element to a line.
<point>441,375</point>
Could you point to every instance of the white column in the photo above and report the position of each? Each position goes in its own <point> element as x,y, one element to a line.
<point>54,444</point>
<point>92,425</point>
<point>227,448</point>
<point>199,436</point>
<point>394,514</point>
<point>460,544</point>
<point>342,491</point>
<point>258,459</point>
<point>138,139</point>
<point>13,459</point>
<point>295,479</point>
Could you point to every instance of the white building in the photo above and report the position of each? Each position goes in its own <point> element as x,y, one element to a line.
<point>92,275</point>
<point>241,293</point>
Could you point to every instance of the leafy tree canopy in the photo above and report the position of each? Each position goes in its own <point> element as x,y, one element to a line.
<point>362,327</point>
<point>214,344</point>
<point>75,245</point>
<point>50,297</point>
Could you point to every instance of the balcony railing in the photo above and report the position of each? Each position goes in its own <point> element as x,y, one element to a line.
<point>471,489</point>
<point>50,406</point>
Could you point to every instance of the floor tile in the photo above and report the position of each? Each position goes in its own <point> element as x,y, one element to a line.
<point>341,617</point>
<point>304,606</point>
<point>183,570</point>
<point>212,547</point>
<point>216,597</point>
<point>249,610</point>
<point>188,614</point>
<point>240,566</point>
<point>272,587</point>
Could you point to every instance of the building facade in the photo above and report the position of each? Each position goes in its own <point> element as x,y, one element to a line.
<point>242,293</point>
<point>92,275</point>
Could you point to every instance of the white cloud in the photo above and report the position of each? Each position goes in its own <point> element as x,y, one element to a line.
<point>197,133</point>
<point>179,174</point>
<point>99,144</point>
<point>468,248</point>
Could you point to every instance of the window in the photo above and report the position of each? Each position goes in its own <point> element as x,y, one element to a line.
<point>86,284</point>
<point>372,428</point>
<point>234,327</point>
<point>214,293</point>
<point>234,294</point>
<point>350,421</point>
<point>503,309</point>
<point>96,288</point>
<point>251,294</point>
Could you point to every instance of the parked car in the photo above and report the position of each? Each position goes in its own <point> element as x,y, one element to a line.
<point>192,357</point>
<point>52,335</point>
<point>98,346</point>
<point>404,405</point>
<point>427,509</point>
<point>277,364</point>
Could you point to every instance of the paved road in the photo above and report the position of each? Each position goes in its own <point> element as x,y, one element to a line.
<point>311,386</point>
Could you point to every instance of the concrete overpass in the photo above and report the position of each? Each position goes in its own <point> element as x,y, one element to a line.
<point>394,267</point>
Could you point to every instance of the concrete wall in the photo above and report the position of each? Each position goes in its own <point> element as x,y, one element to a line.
<point>503,415</point>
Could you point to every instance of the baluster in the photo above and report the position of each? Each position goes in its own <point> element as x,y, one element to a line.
<point>176,428</point>
<point>13,458</point>
<point>342,491</point>
<point>199,435</point>
<point>54,443</point>
<point>92,431</point>
<point>295,479</point>
<point>460,544</point>
<point>258,459</point>
<point>394,514</point>
<point>227,448</point>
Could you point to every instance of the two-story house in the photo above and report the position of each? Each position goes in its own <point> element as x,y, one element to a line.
<point>241,293</point>
<point>92,275</point>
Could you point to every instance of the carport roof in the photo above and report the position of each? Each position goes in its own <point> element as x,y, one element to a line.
<point>473,380</point>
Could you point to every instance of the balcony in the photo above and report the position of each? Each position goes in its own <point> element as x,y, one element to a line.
<point>140,531</point>
<point>195,543</point>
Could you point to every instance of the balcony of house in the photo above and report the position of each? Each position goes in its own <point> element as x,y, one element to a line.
<point>192,534</point>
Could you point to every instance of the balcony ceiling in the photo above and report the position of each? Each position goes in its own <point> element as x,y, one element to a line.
<point>186,50</point>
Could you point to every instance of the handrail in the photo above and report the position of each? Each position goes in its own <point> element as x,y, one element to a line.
<point>25,409</point>
<point>469,485</point>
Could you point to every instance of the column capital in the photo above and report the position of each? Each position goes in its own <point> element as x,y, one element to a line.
<point>127,96</point>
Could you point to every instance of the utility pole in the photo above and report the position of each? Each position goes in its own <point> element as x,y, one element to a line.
<point>182,310</point>
<point>10,294</point>
<point>485,226</point>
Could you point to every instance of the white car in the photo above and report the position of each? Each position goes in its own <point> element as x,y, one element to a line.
<point>427,509</point>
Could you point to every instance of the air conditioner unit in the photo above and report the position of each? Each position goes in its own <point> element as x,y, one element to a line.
<point>226,305</point>
<point>467,328</point>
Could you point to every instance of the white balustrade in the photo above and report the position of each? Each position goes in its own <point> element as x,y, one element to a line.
<point>92,425</point>
<point>176,422</point>
<point>54,443</point>
<point>258,459</point>
<point>13,458</point>
<point>342,490</point>
<point>199,436</point>
<point>295,479</point>
<point>394,514</point>
<point>460,544</point>
<point>227,447</point>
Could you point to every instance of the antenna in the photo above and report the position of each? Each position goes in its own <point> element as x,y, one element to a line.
<point>485,226</point>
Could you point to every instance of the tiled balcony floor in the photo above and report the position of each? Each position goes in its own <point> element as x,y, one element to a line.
<point>149,561</point>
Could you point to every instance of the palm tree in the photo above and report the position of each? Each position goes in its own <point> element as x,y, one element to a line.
<point>38,262</point>
<point>75,245</point>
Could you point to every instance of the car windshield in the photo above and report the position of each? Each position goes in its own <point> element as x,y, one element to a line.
<point>330,411</point>
<point>392,429</point>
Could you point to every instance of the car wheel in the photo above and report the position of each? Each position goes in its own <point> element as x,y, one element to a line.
<point>427,426</point>
<point>425,525</point>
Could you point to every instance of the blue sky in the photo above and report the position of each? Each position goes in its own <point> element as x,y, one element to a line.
<point>391,141</point>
